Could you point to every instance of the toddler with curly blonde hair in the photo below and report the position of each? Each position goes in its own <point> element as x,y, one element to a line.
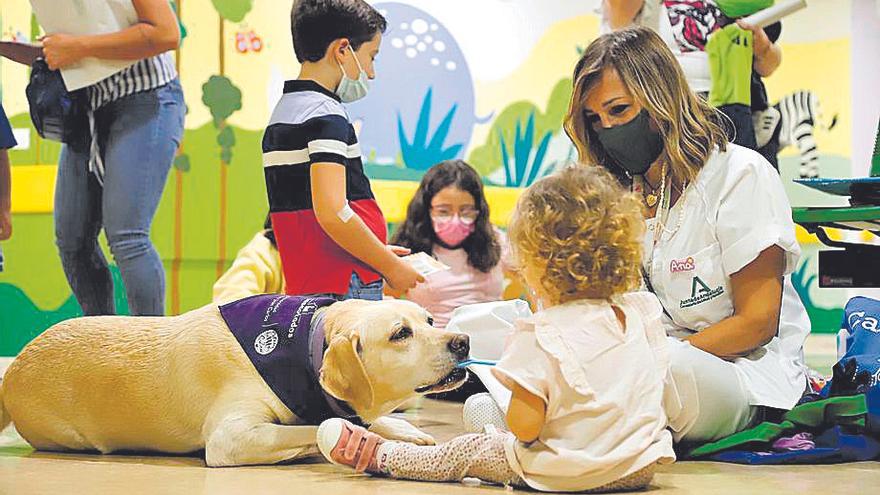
<point>587,372</point>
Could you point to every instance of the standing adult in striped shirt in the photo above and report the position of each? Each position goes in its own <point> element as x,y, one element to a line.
<point>136,121</point>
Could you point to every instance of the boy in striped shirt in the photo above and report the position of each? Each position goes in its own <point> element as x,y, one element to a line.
<point>329,229</point>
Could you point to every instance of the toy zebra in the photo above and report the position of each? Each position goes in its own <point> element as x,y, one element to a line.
<point>800,113</point>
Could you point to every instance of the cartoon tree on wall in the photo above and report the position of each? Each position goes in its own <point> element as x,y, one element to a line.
<point>181,166</point>
<point>224,98</point>
<point>35,136</point>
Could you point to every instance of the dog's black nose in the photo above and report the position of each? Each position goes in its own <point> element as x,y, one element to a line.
<point>460,345</point>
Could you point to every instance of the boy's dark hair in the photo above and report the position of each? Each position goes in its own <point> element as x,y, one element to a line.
<point>417,231</point>
<point>314,24</point>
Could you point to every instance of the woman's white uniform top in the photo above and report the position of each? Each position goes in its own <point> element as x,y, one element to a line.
<point>735,209</point>
<point>603,386</point>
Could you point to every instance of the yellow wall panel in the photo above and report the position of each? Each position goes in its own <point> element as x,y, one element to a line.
<point>33,188</point>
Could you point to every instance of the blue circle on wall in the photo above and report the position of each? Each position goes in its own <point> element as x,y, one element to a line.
<point>420,108</point>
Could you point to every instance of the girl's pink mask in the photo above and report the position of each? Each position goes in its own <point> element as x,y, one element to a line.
<point>452,231</point>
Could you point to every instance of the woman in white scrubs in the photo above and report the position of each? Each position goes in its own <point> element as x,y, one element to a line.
<point>720,240</point>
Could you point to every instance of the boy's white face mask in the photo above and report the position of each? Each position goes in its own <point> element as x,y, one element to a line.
<point>349,89</point>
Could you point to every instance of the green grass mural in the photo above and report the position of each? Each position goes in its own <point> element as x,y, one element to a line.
<point>427,147</point>
<point>525,162</point>
<point>22,320</point>
<point>488,158</point>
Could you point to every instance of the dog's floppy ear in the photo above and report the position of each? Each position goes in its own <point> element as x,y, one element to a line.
<point>342,317</point>
<point>343,374</point>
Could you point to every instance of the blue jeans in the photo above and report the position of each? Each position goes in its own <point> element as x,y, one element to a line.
<point>138,137</point>
<point>357,289</point>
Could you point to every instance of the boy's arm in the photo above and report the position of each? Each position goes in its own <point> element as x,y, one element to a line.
<point>353,235</point>
<point>5,197</point>
<point>525,414</point>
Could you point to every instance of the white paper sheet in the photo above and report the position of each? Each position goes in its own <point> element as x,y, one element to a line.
<point>80,17</point>
<point>425,264</point>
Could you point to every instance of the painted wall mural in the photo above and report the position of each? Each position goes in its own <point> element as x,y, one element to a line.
<point>427,115</point>
<point>489,83</point>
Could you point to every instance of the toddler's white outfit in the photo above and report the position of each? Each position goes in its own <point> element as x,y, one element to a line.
<point>604,389</point>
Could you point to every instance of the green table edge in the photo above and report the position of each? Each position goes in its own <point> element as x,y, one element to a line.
<point>832,214</point>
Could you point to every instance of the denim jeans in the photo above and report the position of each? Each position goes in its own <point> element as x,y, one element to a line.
<point>357,289</point>
<point>138,137</point>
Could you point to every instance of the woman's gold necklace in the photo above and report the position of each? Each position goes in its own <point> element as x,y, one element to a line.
<point>651,198</point>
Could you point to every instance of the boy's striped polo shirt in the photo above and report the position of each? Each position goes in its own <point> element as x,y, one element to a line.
<point>309,125</point>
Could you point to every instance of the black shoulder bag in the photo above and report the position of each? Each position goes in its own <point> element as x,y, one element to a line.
<point>58,114</point>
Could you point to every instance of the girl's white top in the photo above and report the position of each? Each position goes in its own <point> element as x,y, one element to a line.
<point>603,386</point>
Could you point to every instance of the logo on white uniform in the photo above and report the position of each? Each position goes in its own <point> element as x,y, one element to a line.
<point>700,293</point>
<point>266,342</point>
<point>685,265</point>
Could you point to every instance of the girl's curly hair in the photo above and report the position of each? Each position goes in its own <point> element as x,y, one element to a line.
<point>582,232</point>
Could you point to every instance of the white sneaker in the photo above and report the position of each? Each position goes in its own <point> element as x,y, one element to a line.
<point>481,414</point>
<point>344,443</point>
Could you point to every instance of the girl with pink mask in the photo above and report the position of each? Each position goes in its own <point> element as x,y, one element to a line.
<point>448,218</point>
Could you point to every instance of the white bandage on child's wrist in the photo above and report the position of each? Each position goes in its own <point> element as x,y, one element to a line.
<point>345,213</point>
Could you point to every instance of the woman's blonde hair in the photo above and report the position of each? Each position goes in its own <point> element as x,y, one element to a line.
<point>690,128</point>
<point>582,232</point>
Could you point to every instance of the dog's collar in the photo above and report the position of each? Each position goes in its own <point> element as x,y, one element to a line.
<point>317,346</point>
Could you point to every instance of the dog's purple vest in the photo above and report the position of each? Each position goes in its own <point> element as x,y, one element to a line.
<point>276,333</point>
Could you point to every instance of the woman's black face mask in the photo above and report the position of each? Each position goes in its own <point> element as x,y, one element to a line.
<point>634,146</point>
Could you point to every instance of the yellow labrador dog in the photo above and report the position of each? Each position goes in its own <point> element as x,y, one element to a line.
<point>185,383</point>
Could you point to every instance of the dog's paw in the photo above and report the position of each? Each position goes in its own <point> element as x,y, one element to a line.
<point>419,438</point>
<point>400,430</point>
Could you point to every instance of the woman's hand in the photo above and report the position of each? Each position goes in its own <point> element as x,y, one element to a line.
<point>760,42</point>
<point>63,50</point>
<point>155,32</point>
<point>768,55</point>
